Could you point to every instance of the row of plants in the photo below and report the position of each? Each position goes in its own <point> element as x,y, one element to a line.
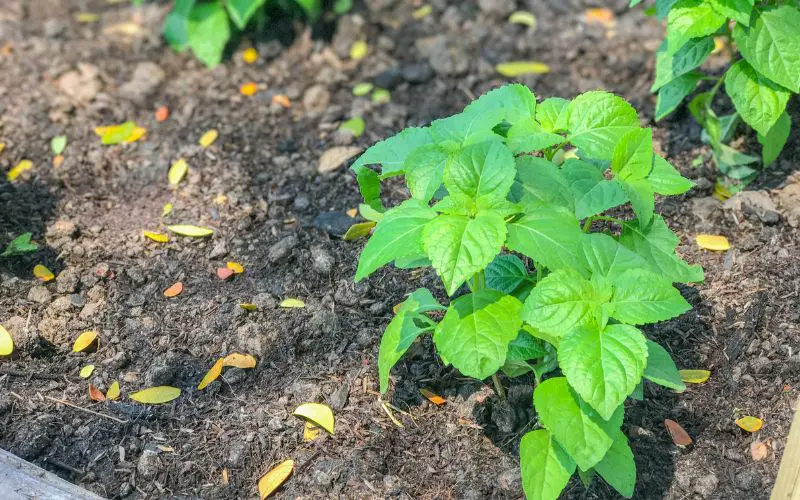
<point>514,199</point>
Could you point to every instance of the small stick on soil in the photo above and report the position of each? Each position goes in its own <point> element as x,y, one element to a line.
<point>115,419</point>
<point>22,373</point>
<point>499,387</point>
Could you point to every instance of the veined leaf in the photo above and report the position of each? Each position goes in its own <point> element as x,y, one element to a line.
<point>661,369</point>
<point>689,57</point>
<point>772,44</point>
<point>618,467</point>
<point>516,101</point>
<point>546,468</point>
<point>208,31</point>
<point>481,171</point>
<point>641,297</point>
<point>596,121</point>
<point>241,11</point>
<point>691,19</point>
<point>549,235</point>
<point>772,143</point>
<point>591,191</point>
<point>759,101</point>
<point>656,244</point>
<point>605,256</point>
<point>505,273</point>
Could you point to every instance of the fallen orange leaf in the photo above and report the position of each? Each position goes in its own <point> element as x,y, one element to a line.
<point>224,273</point>
<point>248,89</point>
<point>679,436</point>
<point>239,360</point>
<point>600,16</point>
<point>433,397</point>
<point>43,273</point>
<point>58,160</point>
<point>162,113</point>
<point>282,100</point>
<point>96,394</point>
<point>174,290</point>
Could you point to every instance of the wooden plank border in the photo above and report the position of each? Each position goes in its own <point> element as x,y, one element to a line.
<point>21,480</point>
<point>787,486</point>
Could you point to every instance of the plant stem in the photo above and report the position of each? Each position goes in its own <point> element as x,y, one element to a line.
<point>499,387</point>
<point>587,225</point>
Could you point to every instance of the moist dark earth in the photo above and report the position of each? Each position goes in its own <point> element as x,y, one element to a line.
<point>259,188</point>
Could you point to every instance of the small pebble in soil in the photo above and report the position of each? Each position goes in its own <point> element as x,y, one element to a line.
<point>321,261</point>
<point>149,464</point>
<point>234,375</point>
<point>282,249</point>
<point>705,486</point>
<point>39,294</point>
<point>389,78</point>
<point>417,72</point>
<point>334,223</point>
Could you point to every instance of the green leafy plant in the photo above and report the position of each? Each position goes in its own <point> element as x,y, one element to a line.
<point>554,282</point>
<point>20,245</point>
<point>206,26</point>
<point>762,39</point>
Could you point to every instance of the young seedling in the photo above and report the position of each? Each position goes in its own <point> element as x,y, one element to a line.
<point>762,41</point>
<point>493,208</point>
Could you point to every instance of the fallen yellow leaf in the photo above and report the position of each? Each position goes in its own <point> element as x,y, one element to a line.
<point>211,375</point>
<point>115,134</point>
<point>166,209</point>
<point>694,376</point>
<point>189,230</point>
<point>235,267</point>
<point>335,156</point>
<point>712,242</point>
<point>311,432</point>
<point>523,17</point>
<point>422,12</point>
<point>6,342</point>
<point>177,172</point>
<point>128,28</point>
<point>15,172</point>
<point>248,89</point>
<point>165,449</point>
<point>358,50</point>
<point>157,237</point>
<point>208,138</point>
<point>239,360</point>
<point>352,212</point>
<point>750,424</point>
<point>516,68</point>
<point>293,303</point>
<point>317,413</point>
<point>358,230</point>
<point>136,134</point>
<point>43,273</point>
<point>250,55</point>
<point>85,17</point>
<point>113,390</point>
<point>86,371</point>
<point>719,45</point>
<point>248,306</point>
<point>84,340</point>
<point>156,395</point>
<point>273,479</point>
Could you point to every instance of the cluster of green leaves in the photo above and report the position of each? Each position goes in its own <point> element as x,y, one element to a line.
<point>206,26</point>
<point>495,205</point>
<point>763,42</point>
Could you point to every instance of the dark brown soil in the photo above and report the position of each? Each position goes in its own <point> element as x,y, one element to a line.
<point>88,214</point>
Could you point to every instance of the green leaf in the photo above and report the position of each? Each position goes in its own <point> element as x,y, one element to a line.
<point>58,143</point>
<point>642,296</point>
<point>176,25</point>
<point>117,134</point>
<point>548,112</point>
<point>661,369</point>
<point>603,366</point>
<point>663,7</point>
<point>505,273</point>
<point>20,245</point>
<point>516,101</point>
<point>539,180</point>
<point>759,101</point>
<point>596,121</point>
<point>549,235</point>
<point>563,301</point>
<point>772,143</point>
<point>354,126</point>
<point>545,467</point>
<point>312,8</point>
<point>591,191</point>
<point>772,45</point>
<point>424,169</point>
<point>687,58</point>
<point>618,467</point>
<point>398,234</point>
<point>485,170</point>
<point>528,136</point>
<point>459,246</point>
<point>672,94</point>
<point>574,424</point>
<point>242,10</point>
<point>402,327</point>
<point>457,131</point>
<point>633,155</point>
<point>604,256</point>
<point>209,31</point>
<point>691,19</point>
<point>476,330</point>
<point>739,10</point>
<point>656,244</point>
<point>526,347</point>
<point>642,197</point>
<point>666,180</point>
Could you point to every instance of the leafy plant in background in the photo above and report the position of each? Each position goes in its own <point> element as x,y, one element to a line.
<point>495,206</point>
<point>207,26</point>
<point>763,41</point>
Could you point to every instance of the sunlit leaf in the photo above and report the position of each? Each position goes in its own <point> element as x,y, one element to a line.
<point>235,267</point>
<point>86,371</point>
<point>239,360</point>
<point>601,16</point>
<point>247,306</point>
<point>189,230</point>
<point>136,134</point>
<point>58,144</point>
<point>162,113</point>
<point>679,436</point>
<point>318,413</point>
<point>422,12</point>
<point>58,160</point>
<point>177,172</point>
<point>311,432</point>
<point>84,340</point>
<point>43,273</point>
<point>273,479</point>
<point>334,157</point>
<point>174,290</point>
<point>248,89</point>
<point>282,100</point>
<point>224,273</point>
<point>358,230</point>
<point>712,242</point>
<point>208,138</point>
<point>381,96</point>
<point>211,375</point>
<point>156,395</point>
<point>750,424</point>
<point>361,89</point>
<point>96,394</point>
<point>6,342</point>
<point>432,397</point>
<point>166,209</point>
<point>20,245</point>
<point>523,17</point>
<point>113,391</point>
<point>115,134</point>
<point>22,166</point>
<point>358,50</point>
<point>694,376</point>
<point>292,303</point>
<point>85,17</point>
<point>354,126</point>
<point>157,237</point>
<point>518,68</point>
<point>250,55</point>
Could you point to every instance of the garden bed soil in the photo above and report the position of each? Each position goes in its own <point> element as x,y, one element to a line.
<point>258,187</point>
